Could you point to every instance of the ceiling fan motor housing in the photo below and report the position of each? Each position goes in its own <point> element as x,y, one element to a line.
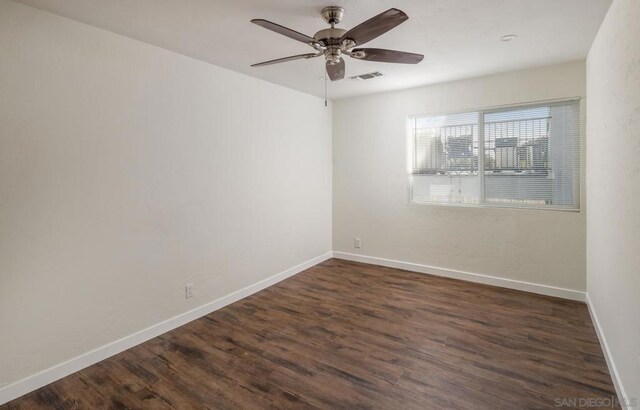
<point>330,38</point>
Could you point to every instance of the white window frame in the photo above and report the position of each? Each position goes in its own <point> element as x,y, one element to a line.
<point>578,188</point>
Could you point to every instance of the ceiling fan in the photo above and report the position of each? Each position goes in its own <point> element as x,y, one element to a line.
<point>333,42</point>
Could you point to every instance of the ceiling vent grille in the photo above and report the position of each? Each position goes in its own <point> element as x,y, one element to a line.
<point>367,76</point>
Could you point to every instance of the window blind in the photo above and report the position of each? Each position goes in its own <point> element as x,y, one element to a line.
<point>525,156</point>
<point>445,159</point>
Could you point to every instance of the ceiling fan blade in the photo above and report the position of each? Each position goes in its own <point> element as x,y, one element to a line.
<point>336,71</point>
<point>284,31</point>
<point>375,26</point>
<point>386,56</point>
<point>285,59</point>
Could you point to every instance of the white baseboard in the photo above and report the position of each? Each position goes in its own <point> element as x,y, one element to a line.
<point>468,276</point>
<point>613,370</point>
<point>61,370</point>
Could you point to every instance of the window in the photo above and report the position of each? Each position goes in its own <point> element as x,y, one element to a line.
<point>525,156</point>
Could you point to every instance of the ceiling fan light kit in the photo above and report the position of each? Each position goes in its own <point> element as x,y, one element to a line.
<point>333,43</point>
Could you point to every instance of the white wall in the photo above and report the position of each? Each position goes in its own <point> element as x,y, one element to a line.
<point>370,187</point>
<point>127,171</point>
<point>613,187</point>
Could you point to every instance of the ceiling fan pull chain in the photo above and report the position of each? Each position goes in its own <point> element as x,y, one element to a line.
<point>325,89</point>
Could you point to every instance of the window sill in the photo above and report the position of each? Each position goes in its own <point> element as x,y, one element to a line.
<point>490,206</point>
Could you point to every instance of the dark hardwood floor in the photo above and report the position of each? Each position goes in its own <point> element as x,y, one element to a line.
<point>350,335</point>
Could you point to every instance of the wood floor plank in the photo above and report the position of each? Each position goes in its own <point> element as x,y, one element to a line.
<point>350,335</point>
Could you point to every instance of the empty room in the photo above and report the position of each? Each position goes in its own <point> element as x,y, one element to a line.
<point>336,204</point>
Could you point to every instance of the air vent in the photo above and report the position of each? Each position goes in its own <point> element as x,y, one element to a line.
<point>367,76</point>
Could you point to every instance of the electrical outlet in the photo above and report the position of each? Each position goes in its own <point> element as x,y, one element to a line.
<point>357,243</point>
<point>188,290</point>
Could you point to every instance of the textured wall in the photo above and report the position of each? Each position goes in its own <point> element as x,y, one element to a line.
<point>613,186</point>
<point>127,171</point>
<point>370,186</point>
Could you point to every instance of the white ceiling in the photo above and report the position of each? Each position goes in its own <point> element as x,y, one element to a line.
<point>459,38</point>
